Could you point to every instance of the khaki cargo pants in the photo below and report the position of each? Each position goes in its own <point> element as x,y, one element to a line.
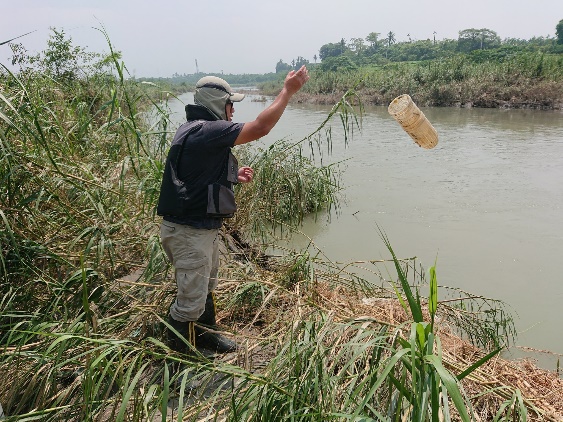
<point>195,256</point>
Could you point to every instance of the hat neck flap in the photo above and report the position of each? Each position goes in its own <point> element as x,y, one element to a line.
<point>199,112</point>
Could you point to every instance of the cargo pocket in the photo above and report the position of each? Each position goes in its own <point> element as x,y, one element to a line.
<point>220,201</point>
<point>189,263</point>
<point>192,279</point>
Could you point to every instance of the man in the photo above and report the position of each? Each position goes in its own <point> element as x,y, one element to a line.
<point>196,194</point>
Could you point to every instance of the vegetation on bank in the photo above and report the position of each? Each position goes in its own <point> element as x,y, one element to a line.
<point>524,79</point>
<point>521,80</point>
<point>81,158</point>
<point>186,82</point>
<point>477,69</point>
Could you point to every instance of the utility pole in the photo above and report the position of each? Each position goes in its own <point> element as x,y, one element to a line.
<point>196,67</point>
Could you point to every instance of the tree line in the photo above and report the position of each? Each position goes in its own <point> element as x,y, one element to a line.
<point>481,44</point>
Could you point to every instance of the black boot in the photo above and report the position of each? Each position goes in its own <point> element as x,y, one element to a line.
<point>206,339</point>
<point>186,329</point>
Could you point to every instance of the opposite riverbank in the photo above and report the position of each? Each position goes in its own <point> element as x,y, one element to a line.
<point>532,81</point>
<point>545,96</point>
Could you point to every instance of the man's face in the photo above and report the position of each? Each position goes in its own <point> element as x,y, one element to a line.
<point>229,111</point>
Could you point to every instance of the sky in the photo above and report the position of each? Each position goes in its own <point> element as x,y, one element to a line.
<point>158,39</point>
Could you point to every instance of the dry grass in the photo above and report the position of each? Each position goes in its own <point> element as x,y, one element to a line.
<point>489,386</point>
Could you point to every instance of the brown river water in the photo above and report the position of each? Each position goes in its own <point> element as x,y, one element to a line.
<point>487,202</point>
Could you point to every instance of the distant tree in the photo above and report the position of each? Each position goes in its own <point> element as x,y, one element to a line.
<point>330,50</point>
<point>540,41</point>
<point>414,51</point>
<point>514,42</point>
<point>315,58</point>
<point>63,61</point>
<point>342,46</point>
<point>61,57</point>
<point>282,67</point>
<point>559,32</point>
<point>339,63</point>
<point>477,39</point>
<point>300,61</point>
<point>447,47</point>
<point>374,42</point>
<point>390,38</point>
<point>357,45</point>
<point>372,38</point>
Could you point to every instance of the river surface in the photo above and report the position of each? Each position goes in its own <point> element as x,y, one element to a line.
<point>487,202</point>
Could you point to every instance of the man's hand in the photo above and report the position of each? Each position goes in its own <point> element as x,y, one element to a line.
<point>268,118</point>
<point>295,80</point>
<point>245,174</point>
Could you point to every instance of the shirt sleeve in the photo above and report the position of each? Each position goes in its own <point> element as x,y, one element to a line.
<point>220,134</point>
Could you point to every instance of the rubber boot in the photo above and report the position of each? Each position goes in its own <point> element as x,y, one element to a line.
<point>206,339</point>
<point>187,330</point>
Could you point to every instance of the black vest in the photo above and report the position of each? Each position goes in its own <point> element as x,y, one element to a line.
<point>181,199</point>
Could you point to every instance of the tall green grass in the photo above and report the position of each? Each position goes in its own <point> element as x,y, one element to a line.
<point>81,163</point>
<point>291,180</point>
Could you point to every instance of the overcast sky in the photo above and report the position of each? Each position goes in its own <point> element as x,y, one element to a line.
<point>160,38</point>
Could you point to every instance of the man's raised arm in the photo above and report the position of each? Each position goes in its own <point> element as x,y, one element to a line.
<point>267,119</point>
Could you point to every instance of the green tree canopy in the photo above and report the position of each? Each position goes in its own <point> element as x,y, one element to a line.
<point>374,42</point>
<point>300,61</point>
<point>559,32</point>
<point>357,45</point>
<point>338,64</point>
<point>477,39</point>
<point>282,67</point>
<point>390,38</point>
<point>61,57</point>
<point>331,50</point>
<point>373,39</point>
<point>62,60</point>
